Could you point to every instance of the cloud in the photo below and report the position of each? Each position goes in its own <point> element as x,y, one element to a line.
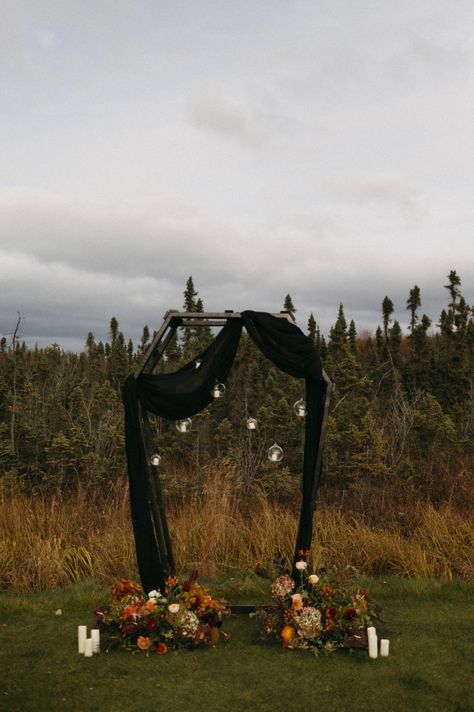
<point>365,187</point>
<point>252,119</point>
<point>69,264</point>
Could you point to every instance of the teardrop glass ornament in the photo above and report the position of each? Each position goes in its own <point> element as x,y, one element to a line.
<point>252,424</point>
<point>218,390</point>
<point>184,426</point>
<point>299,408</point>
<point>155,459</point>
<point>275,453</point>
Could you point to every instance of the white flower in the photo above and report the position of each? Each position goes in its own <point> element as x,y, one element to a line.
<point>313,579</point>
<point>173,607</point>
<point>309,622</point>
<point>58,612</point>
<point>301,565</point>
<point>154,594</point>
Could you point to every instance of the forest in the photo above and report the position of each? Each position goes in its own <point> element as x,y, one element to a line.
<point>400,428</point>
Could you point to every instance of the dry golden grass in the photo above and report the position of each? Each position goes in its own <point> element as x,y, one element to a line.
<point>46,543</point>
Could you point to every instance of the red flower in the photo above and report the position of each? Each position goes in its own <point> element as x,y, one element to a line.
<point>194,575</point>
<point>350,613</point>
<point>129,628</point>
<point>186,585</point>
<point>161,649</point>
<point>331,612</point>
<point>151,624</point>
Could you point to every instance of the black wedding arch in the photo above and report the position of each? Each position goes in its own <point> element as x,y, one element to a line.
<point>187,391</point>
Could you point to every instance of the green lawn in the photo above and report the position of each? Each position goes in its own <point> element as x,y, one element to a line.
<point>429,667</point>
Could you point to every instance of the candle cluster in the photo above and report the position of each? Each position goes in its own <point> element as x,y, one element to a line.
<point>373,644</point>
<point>88,646</point>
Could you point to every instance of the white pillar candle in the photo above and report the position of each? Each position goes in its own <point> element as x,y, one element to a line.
<point>88,652</point>
<point>384,646</point>
<point>95,636</point>
<point>81,638</point>
<point>373,646</point>
<point>371,631</point>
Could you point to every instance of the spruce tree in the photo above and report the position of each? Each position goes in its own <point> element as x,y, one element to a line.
<point>190,295</point>
<point>312,328</point>
<point>288,304</point>
<point>413,304</point>
<point>387,311</point>
<point>352,336</point>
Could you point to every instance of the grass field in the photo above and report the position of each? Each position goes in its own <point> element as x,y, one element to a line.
<point>429,667</point>
<point>50,542</point>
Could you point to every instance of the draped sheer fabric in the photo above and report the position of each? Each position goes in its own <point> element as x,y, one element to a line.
<point>187,391</point>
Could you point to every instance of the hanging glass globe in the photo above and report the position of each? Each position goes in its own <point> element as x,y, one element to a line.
<point>275,453</point>
<point>184,426</point>
<point>252,424</point>
<point>218,390</point>
<point>155,459</point>
<point>197,363</point>
<point>299,408</point>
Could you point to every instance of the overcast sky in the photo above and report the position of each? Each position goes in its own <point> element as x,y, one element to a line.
<point>322,148</point>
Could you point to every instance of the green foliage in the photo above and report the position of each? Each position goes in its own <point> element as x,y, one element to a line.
<point>402,404</point>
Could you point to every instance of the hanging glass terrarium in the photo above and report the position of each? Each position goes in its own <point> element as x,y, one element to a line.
<point>299,408</point>
<point>275,453</point>
<point>155,459</point>
<point>218,390</point>
<point>184,426</point>
<point>252,424</point>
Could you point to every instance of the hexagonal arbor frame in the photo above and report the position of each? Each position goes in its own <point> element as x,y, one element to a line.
<point>282,342</point>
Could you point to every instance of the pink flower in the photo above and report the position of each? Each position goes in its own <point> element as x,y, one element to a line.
<point>301,565</point>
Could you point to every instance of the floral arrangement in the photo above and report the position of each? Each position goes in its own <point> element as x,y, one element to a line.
<point>186,616</point>
<point>321,612</point>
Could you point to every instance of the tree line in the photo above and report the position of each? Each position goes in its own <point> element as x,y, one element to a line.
<point>401,413</point>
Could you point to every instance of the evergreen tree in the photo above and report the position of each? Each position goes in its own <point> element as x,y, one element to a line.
<point>338,336</point>
<point>379,342</point>
<point>413,304</point>
<point>113,329</point>
<point>352,336</point>
<point>312,326</point>
<point>395,345</point>
<point>387,311</point>
<point>190,295</point>
<point>288,305</point>
<point>454,289</point>
<point>145,340</point>
<point>194,338</point>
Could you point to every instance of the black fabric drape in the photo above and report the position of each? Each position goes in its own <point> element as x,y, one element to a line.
<point>187,391</point>
<point>174,395</point>
<point>294,352</point>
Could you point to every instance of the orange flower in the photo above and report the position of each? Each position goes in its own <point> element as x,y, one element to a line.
<point>297,601</point>
<point>124,587</point>
<point>143,642</point>
<point>151,606</point>
<point>214,636</point>
<point>288,634</point>
<point>129,611</point>
<point>171,581</point>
